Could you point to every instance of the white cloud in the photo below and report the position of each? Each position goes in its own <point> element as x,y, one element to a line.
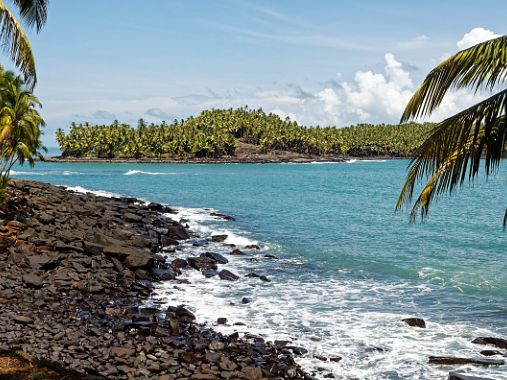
<point>476,36</point>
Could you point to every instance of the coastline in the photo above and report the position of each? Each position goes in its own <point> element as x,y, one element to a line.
<point>77,270</point>
<point>227,160</point>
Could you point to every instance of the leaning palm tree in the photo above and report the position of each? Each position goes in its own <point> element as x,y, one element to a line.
<point>13,38</point>
<point>460,145</point>
<point>20,126</point>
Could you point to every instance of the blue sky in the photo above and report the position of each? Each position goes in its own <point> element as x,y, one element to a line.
<point>320,62</point>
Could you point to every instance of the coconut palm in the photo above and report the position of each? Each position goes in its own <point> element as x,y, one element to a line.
<point>13,38</point>
<point>20,125</point>
<point>458,146</point>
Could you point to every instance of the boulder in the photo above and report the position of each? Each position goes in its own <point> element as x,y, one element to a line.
<point>237,252</point>
<point>415,322</point>
<point>139,259</point>
<point>450,360</point>
<point>218,238</point>
<point>497,342</point>
<point>227,275</point>
<point>202,263</point>
<point>216,257</point>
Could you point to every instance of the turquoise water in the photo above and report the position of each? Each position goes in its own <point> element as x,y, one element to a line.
<point>349,268</point>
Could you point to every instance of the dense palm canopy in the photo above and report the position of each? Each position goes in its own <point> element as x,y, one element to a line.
<point>214,133</point>
<point>20,125</point>
<point>13,38</point>
<point>458,146</point>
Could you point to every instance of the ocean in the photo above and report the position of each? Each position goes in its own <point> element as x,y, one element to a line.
<point>348,267</point>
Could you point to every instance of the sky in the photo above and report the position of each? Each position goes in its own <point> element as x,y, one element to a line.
<point>320,62</point>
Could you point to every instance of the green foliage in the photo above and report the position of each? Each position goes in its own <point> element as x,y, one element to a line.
<point>458,146</point>
<point>20,126</point>
<point>214,133</point>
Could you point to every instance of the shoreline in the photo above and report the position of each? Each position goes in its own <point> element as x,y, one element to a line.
<point>264,159</point>
<point>76,272</point>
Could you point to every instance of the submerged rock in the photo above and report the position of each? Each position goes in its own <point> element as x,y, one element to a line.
<point>497,342</point>
<point>460,376</point>
<point>450,360</point>
<point>415,322</point>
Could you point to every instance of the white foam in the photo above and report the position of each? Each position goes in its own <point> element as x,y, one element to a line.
<point>100,193</point>
<point>43,173</point>
<point>329,318</point>
<point>134,172</point>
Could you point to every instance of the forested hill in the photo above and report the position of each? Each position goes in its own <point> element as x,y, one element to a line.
<point>218,133</point>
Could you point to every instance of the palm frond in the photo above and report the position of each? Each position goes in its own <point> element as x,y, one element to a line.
<point>453,152</point>
<point>15,42</point>
<point>34,12</point>
<point>479,67</point>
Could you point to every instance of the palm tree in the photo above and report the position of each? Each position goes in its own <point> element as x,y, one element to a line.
<point>13,38</point>
<point>453,152</point>
<point>20,125</point>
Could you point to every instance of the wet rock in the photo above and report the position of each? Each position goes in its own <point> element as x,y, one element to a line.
<point>222,321</point>
<point>270,256</point>
<point>237,252</point>
<point>227,275</point>
<point>415,322</point>
<point>335,359</point>
<point>253,246</point>
<point>490,352</point>
<point>297,350</point>
<point>222,216</point>
<point>449,360</point>
<point>460,376</point>
<point>216,257</point>
<point>497,342</point>
<point>246,300</point>
<point>219,238</point>
<point>202,263</point>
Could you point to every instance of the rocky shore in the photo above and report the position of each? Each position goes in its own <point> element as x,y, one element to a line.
<point>75,270</point>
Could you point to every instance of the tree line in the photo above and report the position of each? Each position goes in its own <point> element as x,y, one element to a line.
<point>214,133</point>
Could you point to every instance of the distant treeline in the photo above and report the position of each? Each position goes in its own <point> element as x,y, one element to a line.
<point>214,133</point>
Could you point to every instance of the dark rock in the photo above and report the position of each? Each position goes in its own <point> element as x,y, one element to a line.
<point>297,350</point>
<point>449,360</point>
<point>217,257</point>
<point>270,256</point>
<point>202,263</point>
<point>497,342</point>
<point>139,259</point>
<point>92,248</point>
<point>460,376</point>
<point>177,232</point>
<point>335,359</point>
<point>222,216</point>
<point>490,352</point>
<point>246,300</point>
<point>237,252</point>
<point>130,217</point>
<point>167,241</point>
<point>219,238</point>
<point>222,321</point>
<point>253,246</point>
<point>227,275</point>
<point>415,322</point>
